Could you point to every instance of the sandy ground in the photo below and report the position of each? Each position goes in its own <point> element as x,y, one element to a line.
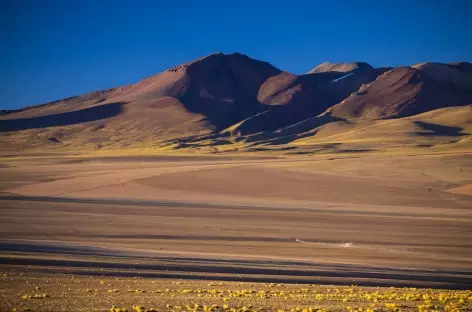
<point>373,220</point>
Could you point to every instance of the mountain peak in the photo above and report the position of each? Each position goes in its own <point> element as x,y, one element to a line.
<point>215,58</point>
<point>184,66</point>
<point>339,67</point>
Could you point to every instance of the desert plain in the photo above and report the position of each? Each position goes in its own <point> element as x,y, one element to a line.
<point>91,231</point>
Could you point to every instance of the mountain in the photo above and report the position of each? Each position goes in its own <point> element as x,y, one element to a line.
<point>407,91</point>
<point>224,99</point>
<point>208,94</point>
<point>223,88</point>
<point>198,97</point>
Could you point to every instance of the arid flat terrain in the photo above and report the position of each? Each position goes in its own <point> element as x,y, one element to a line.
<point>369,220</point>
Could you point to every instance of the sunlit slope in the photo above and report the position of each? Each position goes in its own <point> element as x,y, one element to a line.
<point>123,126</point>
<point>444,128</point>
<point>439,130</point>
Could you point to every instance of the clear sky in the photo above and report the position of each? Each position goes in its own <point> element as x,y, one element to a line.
<point>54,49</point>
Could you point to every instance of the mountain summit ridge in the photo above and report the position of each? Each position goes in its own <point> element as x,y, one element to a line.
<point>340,67</point>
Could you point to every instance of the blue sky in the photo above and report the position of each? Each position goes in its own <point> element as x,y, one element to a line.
<point>54,49</point>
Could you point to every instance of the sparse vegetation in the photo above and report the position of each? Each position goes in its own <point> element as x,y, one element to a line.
<point>200,296</point>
